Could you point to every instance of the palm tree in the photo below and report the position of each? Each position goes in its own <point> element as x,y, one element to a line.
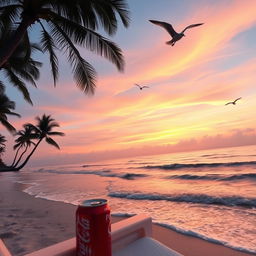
<point>2,149</point>
<point>6,106</point>
<point>43,130</point>
<point>23,141</point>
<point>20,67</point>
<point>63,25</point>
<point>2,144</point>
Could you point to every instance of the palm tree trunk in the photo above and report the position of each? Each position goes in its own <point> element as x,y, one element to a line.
<point>7,50</point>
<point>28,157</point>
<point>16,154</point>
<point>24,151</point>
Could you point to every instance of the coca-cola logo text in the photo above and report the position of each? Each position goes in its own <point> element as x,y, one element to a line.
<point>83,235</point>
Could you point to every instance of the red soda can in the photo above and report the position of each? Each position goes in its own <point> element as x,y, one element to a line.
<point>93,228</point>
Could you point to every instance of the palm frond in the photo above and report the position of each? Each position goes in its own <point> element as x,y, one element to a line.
<point>20,66</point>
<point>32,68</point>
<point>32,127</point>
<point>25,136</point>
<point>26,76</point>
<point>84,73</point>
<point>35,47</point>
<point>21,60</point>
<point>1,87</point>
<point>15,146</point>
<point>48,46</point>
<point>8,112</point>
<point>14,79</point>
<point>91,13</point>
<point>7,125</point>
<point>105,11</point>
<point>56,133</point>
<point>68,9</point>
<point>31,142</point>
<point>122,9</point>
<point>29,72</point>
<point>52,124</point>
<point>90,19</point>
<point>106,16</point>
<point>52,142</point>
<point>25,45</point>
<point>8,2</point>
<point>6,106</point>
<point>2,140</point>
<point>8,15</point>
<point>92,40</point>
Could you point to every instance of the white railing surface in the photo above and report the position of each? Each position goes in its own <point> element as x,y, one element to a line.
<point>129,230</point>
<point>133,237</point>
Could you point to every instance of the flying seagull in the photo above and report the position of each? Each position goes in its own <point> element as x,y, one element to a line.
<point>141,87</point>
<point>233,102</point>
<point>175,36</point>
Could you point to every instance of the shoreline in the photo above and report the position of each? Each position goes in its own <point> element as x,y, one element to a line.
<point>28,224</point>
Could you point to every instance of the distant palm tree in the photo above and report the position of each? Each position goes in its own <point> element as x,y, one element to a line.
<point>2,149</point>
<point>2,144</point>
<point>23,141</point>
<point>43,130</point>
<point>64,24</point>
<point>6,107</point>
<point>20,67</point>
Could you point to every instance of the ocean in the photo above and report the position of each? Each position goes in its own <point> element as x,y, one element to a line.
<point>209,194</point>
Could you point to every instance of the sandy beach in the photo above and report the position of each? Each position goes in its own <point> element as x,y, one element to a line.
<point>28,224</point>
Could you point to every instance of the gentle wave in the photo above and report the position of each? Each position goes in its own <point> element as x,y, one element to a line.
<point>103,173</point>
<point>216,177</point>
<point>190,198</point>
<point>198,165</point>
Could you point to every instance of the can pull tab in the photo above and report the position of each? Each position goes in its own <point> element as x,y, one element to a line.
<point>95,203</point>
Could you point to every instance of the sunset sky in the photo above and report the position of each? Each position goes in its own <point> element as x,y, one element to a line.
<point>184,108</point>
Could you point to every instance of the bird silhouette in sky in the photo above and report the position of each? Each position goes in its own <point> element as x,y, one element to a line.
<point>175,36</point>
<point>233,102</point>
<point>141,87</point>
